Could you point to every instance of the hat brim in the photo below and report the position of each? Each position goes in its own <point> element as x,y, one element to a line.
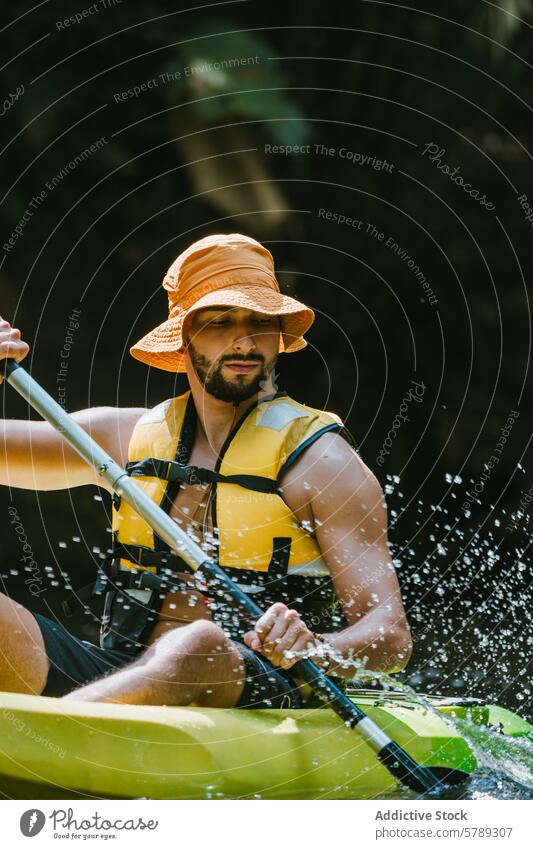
<point>160,347</point>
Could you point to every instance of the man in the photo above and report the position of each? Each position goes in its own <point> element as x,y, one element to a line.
<point>267,485</point>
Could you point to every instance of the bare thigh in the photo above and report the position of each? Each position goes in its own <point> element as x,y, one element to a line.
<point>23,661</point>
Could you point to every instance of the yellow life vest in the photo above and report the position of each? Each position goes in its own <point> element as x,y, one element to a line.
<point>255,531</point>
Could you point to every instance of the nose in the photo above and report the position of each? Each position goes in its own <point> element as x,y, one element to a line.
<point>243,342</point>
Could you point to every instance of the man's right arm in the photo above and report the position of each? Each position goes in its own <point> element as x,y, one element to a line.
<point>33,455</point>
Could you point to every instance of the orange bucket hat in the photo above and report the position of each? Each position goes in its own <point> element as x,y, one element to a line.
<point>229,270</point>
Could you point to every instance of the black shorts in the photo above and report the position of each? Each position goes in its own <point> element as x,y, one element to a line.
<point>74,662</point>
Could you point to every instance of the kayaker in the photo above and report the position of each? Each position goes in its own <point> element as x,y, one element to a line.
<point>270,488</point>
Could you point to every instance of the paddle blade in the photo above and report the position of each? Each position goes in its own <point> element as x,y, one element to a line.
<point>416,777</point>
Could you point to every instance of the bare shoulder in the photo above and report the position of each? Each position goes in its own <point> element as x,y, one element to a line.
<point>330,470</point>
<point>327,460</point>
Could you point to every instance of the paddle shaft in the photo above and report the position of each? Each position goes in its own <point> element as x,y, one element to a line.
<point>397,761</point>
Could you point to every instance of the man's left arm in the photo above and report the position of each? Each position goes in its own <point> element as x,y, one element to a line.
<point>349,517</point>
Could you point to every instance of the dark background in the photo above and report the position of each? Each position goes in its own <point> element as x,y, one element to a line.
<point>187,158</point>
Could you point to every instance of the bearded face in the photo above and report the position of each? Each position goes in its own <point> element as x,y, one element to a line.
<point>233,351</point>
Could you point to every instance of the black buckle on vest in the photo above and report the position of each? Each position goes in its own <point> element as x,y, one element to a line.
<point>170,470</point>
<point>174,472</point>
<point>150,467</point>
<point>190,474</point>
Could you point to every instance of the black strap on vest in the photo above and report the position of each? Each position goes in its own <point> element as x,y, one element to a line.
<point>173,471</point>
<point>141,555</point>
<point>281,552</point>
<point>130,579</point>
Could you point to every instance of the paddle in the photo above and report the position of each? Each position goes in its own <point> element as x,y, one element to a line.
<point>391,755</point>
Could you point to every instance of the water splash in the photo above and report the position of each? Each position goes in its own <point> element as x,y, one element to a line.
<point>465,584</point>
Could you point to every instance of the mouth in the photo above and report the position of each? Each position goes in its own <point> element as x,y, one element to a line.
<point>241,368</point>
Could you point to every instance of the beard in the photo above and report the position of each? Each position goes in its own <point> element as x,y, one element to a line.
<point>242,387</point>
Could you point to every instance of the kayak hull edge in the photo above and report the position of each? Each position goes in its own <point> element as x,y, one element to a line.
<point>55,748</point>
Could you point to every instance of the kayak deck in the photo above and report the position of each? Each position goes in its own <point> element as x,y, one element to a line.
<point>54,748</point>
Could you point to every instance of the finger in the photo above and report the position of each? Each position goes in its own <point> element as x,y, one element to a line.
<point>264,625</point>
<point>279,631</point>
<point>285,643</point>
<point>280,627</point>
<point>251,639</point>
<point>10,334</point>
<point>294,628</point>
<point>13,349</point>
<point>5,327</point>
<point>300,647</point>
<point>268,619</point>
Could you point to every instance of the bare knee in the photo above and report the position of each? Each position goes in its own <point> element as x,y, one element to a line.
<point>201,657</point>
<point>23,661</point>
<point>196,642</point>
<point>197,638</point>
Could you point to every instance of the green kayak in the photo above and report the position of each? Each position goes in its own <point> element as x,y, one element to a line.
<point>52,748</point>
